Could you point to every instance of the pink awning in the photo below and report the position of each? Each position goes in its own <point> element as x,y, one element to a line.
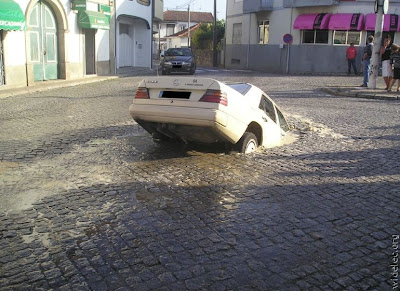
<point>312,21</point>
<point>390,22</point>
<point>346,21</point>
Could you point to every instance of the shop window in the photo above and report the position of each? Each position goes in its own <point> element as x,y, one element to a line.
<point>263,32</point>
<point>315,36</point>
<point>346,37</point>
<point>384,34</point>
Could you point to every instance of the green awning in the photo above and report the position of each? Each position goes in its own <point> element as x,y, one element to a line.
<point>93,19</point>
<point>11,16</point>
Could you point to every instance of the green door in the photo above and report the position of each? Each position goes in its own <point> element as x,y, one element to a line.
<point>43,41</point>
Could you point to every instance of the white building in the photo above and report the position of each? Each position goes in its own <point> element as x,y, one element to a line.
<point>58,40</point>
<point>69,39</point>
<point>319,31</point>
<point>133,33</point>
<point>176,21</point>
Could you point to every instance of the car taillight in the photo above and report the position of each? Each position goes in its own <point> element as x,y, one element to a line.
<point>142,93</point>
<point>215,96</point>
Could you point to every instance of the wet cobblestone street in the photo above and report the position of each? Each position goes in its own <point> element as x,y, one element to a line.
<point>90,202</point>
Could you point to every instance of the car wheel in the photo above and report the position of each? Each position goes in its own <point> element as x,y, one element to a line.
<point>247,144</point>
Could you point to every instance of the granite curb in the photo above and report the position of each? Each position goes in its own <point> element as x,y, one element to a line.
<point>364,93</point>
<point>55,84</point>
<point>48,85</point>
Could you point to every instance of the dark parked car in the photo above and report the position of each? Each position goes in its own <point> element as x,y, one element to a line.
<point>178,60</point>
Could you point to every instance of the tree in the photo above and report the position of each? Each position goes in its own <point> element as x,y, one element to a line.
<point>203,37</point>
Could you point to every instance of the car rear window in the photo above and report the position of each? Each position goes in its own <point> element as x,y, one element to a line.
<point>242,88</point>
<point>178,52</point>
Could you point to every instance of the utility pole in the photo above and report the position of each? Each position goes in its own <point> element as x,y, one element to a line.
<point>182,6</point>
<point>381,8</point>
<point>215,35</point>
<point>189,25</point>
<point>159,40</point>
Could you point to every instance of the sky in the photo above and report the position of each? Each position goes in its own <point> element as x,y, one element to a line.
<point>197,5</point>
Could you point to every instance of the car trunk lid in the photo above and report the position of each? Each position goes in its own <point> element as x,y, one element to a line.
<point>166,89</point>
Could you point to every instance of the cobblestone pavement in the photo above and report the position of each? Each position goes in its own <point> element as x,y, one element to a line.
<point>90,202</point>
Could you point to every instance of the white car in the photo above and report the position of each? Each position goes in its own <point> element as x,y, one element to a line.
<point>208,111</point>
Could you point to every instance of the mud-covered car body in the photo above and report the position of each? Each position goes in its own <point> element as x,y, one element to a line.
<point>207,111</point>
<point>178,60</point>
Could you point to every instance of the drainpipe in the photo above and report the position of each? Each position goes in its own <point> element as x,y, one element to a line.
<point>115,36</point>
<point>151,34</point>
<point>288,45</point>
<point>248,43</point>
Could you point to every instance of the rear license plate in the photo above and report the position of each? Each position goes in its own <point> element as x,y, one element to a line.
<point>174,94</point>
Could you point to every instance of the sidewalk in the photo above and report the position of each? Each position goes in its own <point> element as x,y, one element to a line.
<point>362,92</point>
<point>8,91</point>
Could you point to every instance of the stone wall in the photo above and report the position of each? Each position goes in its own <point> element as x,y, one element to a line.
<point>204,57</point>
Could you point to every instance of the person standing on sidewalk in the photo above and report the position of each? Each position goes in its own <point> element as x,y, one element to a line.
<point>351,54</point>
<point>367,53</point>
<point>385,58</point>
<point>395,63</point>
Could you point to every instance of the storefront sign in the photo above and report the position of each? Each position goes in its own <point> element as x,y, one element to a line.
<point>318,20</point>
<point>354,21</point>
<point>106,10</point>
<point>394,19</point>
<point>78,5</point>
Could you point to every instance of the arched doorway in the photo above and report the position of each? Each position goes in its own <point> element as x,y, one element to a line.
<point>43,49</point>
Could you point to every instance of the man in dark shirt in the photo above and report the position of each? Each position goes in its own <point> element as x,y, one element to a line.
<point>367,53</point>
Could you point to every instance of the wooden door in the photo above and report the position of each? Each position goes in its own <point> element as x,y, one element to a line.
<point>43,42</point>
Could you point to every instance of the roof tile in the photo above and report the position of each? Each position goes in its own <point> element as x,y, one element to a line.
<point>173,15</point>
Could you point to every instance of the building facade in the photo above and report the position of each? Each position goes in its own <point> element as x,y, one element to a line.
<point>308,36</point>
<point>59,40</point>
<point>68,39</point>
<point>134,33</point>
<point>177,21</point>
<point>183,37</point>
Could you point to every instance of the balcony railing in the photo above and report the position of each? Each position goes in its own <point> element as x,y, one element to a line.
<point>250,6</point>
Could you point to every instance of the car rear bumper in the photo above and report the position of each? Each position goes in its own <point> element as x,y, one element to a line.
<point>177,70</point>
<point>198,118</point>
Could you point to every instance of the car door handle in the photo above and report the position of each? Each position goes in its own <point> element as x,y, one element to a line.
<point>265,119</point>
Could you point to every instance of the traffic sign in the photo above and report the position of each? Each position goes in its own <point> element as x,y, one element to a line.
<point>287,38</point>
